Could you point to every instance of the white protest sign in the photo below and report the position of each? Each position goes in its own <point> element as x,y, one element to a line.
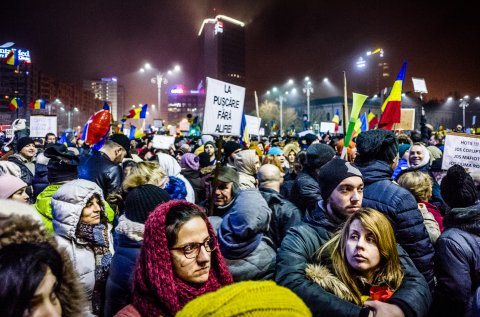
<point>223,108</point>
<point>253,124</point>
<point>419,85</point>
<point>41,125</point>
<point>9,133</point>
<point>173,130</point>
<point>462,149</point>
<point>162,141</point>
<point>184,125</point>
<point>327,127</point>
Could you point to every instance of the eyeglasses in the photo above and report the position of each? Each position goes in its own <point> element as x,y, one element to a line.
<point>191,250</point>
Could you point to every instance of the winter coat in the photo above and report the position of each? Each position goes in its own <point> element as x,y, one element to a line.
<point>300,244</point>
<point>245,165</point>
<point>305,191</point>
<point>198,185</point>
<point>170,165</point>
<point>176,188</point>
<point>129,235</point>
<point>67,205</point>
<point>457,264</point>
<point>40,179</point>
<point>430,223</point>
<point>248,252</point>
<point>26,173</point>
<point>16,229</point>
<point>98,168</point>
<point>284,215</point>
<point>401,208</point>
<point>402,165</point>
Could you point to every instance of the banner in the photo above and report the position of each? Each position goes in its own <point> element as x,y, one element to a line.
<point>253,124</point>
<point>462,149</point>
<point>41,125</point>
<point>223,108</point>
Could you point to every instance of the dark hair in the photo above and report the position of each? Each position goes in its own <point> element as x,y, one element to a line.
<point>22,268</point>
<point>49,134</point>
<point>176,218</point>
<point>128,163</point>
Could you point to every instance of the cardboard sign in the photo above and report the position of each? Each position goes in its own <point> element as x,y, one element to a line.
<point>253,124</point>
<point>223,108</point>
<point>327,127</point>
<point>462,149</point>
<point>162,141</point>
<point>41,125</point>
<point>407,120</point>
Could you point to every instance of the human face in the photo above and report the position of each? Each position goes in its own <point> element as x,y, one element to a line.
<point>257,163</point>
<point>51,139</point>
<point>361,250</point>
<point>432,140</point>
<point>45,302</point>
<point>223,194</point>
<point>346,198</point>
<point>120,154</point>
<point>194,270</point>
<point>210,150</point>
<point>291,157</point>
<point>416,155</point>
<point>281,158</point>
<point>28,151</point>
<point>91,212</point>
<point>21,195</point>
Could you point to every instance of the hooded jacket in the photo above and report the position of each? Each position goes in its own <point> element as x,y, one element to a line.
<point>457,263</point>
<point>245,165</point>
<point>24,229</point>
<point>67,205</point>
<point>170,165</point>
<point>300,244</point>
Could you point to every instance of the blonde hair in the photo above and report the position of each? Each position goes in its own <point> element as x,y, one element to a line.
<point>148,172</point>
<point>418,183</point>
<point>388,271</point>
<point>272,159</point>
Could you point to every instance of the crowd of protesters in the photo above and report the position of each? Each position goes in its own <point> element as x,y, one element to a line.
<point>216,226</point>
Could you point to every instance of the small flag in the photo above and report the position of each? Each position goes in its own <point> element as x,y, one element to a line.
<point>37,104</point>
<point>364,121</point>
<point>372,120</point>
<point>336,120</point>
<point>12,58</point>
<point>133,129</point>
<point>245,137</point>
<point>138,113</point>
<point>392,106</point>
<point>15,103</point>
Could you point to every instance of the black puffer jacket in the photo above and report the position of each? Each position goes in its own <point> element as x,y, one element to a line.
<point>299,245</point>
<point>457,264</point>
<point>400,207</point>
<point>98,168</point>
<point>305,191</point>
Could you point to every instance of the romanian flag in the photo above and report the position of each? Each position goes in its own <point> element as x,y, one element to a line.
<point>15,103</point>
<point>244,130</point>
<point>37,104</point>
<point>138,113</point>
<point>12,58</point>
<point>336,120</point>
<point>372,120</point>
<point>392,105</point>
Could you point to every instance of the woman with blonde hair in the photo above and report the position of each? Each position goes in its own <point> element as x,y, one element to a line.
<point>148,172</point>
<point>361,262</point>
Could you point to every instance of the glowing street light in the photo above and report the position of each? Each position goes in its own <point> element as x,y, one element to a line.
<point>308,89</point>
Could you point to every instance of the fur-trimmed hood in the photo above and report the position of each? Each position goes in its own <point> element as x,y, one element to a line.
<point>23,229</point>
<point>321,275</point>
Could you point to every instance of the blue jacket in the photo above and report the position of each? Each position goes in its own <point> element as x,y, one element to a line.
<point>40,179</point>
<point>401,208</point>
<point>300,244</point>
<point>457,264</point>
<point>118,292</point>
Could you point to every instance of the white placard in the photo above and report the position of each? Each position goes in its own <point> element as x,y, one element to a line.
<point>223,108</point>
<point>419,85</point>
<point>9,133</point>
<point>462,149</point>
<point>253,124</point>
<point>261,131</point>
<point>184,126</point>
<point>327,127</point>
<point>41,125</point>
<point>173,130</point>
<point>162,141</point>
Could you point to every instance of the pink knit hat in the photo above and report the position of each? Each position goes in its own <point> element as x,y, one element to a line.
<point>9,184</point>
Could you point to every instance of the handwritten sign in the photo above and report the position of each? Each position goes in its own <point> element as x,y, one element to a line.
<point>462,149</point>
<point>407,120</point>
<point>223,108</point>
<point>41,125</point>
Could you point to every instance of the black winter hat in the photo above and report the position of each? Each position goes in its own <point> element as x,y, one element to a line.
<point>204,159</point>
<point>318,154</point>
<point>333,173</point>
<point>229,147</point>
<point>62,165</point>
<point>23,142</point>
<point>123,141</point>
<point>377,145</point>
<point>458,188</point>
<point>309,138</point>
<point>142,200</point>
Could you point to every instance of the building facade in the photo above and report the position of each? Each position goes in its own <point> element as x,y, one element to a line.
<point>107,89</point>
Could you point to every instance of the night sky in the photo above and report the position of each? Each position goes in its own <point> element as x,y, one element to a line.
<point>76,40</point>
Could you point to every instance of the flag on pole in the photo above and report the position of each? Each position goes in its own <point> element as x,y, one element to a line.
<point>138,113</point>
<point>392,105</point>
<point>358,128</point>
<point>12,58</point>
<point>37,104</point>
<point>358,101</point>
<point>133,129</point>
<point>15,103</point>
<point>336,119</point>
<point>245,137</point>
<point>364,121</point>
<point>372,120</point>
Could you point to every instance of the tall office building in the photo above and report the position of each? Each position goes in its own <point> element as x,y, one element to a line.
<point>107,89</point>
<point>222,50</point>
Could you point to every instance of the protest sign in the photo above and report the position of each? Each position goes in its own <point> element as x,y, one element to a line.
<point>253,124</point>
<point>462,149</point>
<point>407,120</point>
<point>41,125</point>
<point>162,141</point>
<point>327,127</point>
<point>223,108</point>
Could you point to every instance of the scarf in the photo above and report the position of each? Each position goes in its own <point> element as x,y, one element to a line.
<point>96,237</point>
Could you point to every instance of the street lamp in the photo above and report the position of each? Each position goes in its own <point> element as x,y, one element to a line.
<point>308,89</point>
<point>69,114</point>
<point>464,104</point>
<point>159,79</point>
